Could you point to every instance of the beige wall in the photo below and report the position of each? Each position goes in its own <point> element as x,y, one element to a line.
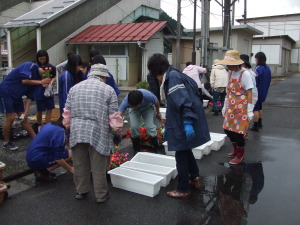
<point>185,53</point>
<point>133,66</point>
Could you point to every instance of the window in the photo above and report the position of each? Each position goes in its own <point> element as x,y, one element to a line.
<point>113,49</point>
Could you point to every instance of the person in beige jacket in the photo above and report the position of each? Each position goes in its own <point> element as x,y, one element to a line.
<point>218,81</point>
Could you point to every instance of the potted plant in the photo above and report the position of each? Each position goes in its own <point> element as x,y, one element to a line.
<point>2,167</point>
<point>117,158</point>
<point>3,189</point>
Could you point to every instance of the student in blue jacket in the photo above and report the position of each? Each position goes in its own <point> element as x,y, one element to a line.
<point>48,149</point>
<point>110,80</point>
<point>16,84</point>
<point>69,77</point>
<point>263,81</point>
<point>44,100</point>
<point>186,126</point>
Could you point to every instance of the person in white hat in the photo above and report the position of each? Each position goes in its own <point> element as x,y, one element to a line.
<point>90,103</point>
<point>238,107</point>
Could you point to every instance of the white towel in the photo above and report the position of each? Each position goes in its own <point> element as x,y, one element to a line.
<point>163,98</point>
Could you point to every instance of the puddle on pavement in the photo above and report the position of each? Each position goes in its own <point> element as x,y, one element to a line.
<point>227,198</point>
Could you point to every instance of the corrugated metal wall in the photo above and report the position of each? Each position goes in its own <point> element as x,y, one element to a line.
<point>23,44</point>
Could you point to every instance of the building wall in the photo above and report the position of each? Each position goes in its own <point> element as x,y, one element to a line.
<point>278,51</point>
<point>281,25</point>
<point>111,16</point>
<point>23,44</point>
<point>155,45</point>
<point>186,49</point>
<point>277,26</point>
<point>61,27</point>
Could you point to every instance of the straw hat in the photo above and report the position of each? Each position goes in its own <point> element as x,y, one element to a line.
<point>232,58</point>
<point>99,70</point>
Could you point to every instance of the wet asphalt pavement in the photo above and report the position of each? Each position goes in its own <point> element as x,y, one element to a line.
<point>262,191</point>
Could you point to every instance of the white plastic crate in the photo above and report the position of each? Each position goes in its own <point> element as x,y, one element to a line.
<point>163,171</point>
<point>163,113</point>
<point>156,159</point>
<point>135,181</point>
<point>218,141</point>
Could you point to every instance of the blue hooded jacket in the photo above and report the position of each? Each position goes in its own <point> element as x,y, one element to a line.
<point>263,80</point>
<point>183,103</point>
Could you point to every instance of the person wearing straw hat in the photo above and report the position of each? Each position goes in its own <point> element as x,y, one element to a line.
<point>238,107</point>
<point>91,104</point>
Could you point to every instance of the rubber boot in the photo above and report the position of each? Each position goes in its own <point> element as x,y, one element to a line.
<point>136,145</point>
<point>155,144</point>
<point>260,123</point>
<point>255,127</point>
<point>239,158</point>
<point>234,153</point>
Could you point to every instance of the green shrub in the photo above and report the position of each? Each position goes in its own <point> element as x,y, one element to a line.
<point>143,85</point>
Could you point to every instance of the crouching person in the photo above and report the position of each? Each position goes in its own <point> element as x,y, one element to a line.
<point>140,103</point>
<point>186,126</point>
<point>46,150</point>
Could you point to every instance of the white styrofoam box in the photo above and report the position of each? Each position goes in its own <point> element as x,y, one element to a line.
<point>205,148</point>
<point>135,181</point>
<point>156,159</point>
<point>163,171</point>
<point>171,153</point>
<point>217,134</point>
<point>205,103</point>
<point>163,112</point>
<point>218,142</point>
<point>198,151</point>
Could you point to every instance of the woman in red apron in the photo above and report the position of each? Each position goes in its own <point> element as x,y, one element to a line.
<point>238,107</point>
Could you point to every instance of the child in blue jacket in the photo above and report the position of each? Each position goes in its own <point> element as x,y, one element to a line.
<point>48,149</point>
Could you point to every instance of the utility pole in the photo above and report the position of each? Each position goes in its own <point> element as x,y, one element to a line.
<point>177,63</point>
<point>205,7</point>
<point>245,12</point>
<point>227,25</point>
<point>233,12</point>
<point>194,36</point>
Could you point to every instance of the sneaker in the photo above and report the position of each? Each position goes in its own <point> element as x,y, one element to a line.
<point>81,196</point>
<point>10,146</point>
<point>40,177</point>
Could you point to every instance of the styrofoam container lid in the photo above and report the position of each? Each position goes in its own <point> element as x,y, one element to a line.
<point>217,135</point>
<point>145,167</point>
<point>136,175</point>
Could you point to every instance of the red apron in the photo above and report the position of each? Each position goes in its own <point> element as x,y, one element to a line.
<point>236,116</point>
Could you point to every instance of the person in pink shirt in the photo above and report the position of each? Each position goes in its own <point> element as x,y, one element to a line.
<point>194,72</point>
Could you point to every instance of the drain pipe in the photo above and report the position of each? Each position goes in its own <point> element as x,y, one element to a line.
<point>144,58</point>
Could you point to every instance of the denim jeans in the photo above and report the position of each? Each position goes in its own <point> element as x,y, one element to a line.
<point>187,169</point>
<point>215,99</point>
